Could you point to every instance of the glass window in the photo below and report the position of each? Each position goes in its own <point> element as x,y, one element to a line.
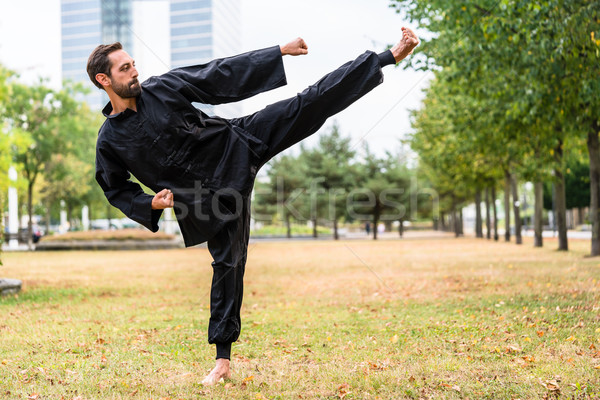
<point>81,29</point>
<point>195,17</point>
<point>191,30</point>
<point>190,5</point>
<point>85,41</point>
<point>83,17</point>
<point>80,5</point>
<point>85,53</point>
<point>74,66</point>
<point>191,42</point>
<point>191,56</point>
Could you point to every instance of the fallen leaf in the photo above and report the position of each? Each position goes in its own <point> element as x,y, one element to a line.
<point>514,348</point>
<point>33,396</point>
<point>551,385</point>
<point>343,390</point>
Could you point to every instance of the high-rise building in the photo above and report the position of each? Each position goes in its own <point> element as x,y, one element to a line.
<point>84,25</point>
<point>198,31</point>
<point>202,30</point>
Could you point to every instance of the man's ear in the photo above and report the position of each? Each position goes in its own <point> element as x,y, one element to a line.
<point>103,79</point>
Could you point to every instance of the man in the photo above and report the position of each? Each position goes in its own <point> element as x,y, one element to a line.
<point>204,167</point>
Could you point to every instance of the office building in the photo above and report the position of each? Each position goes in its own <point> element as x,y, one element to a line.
<point>160,34</point>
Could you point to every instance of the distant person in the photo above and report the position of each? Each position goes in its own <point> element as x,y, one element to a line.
<point>368,228</point>
<point>204,167</point>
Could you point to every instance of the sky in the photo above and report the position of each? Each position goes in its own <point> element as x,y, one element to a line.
<point>335,31</point>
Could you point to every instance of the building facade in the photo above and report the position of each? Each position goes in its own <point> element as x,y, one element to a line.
<point>198,31</point>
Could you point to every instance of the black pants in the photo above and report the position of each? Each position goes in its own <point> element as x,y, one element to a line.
<point>280,126</point>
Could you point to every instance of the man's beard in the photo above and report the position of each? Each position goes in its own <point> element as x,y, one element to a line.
<point>127,91</point>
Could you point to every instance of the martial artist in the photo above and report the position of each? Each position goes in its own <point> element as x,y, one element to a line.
<point>204,166</point>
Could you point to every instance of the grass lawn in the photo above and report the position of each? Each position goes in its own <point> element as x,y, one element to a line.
<point>438,318</point>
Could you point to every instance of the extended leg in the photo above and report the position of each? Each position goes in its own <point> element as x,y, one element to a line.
<point>229,251</point>
<point>287,122</point>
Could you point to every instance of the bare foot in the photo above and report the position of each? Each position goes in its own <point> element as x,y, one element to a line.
<point>220,371</point>
<point>406,45</point>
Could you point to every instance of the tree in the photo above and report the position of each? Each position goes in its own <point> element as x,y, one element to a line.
<point>331,175</point>
<point>284,193</point>
<point>383,190</point>
<point>538,60</point>
<point>4,148</point>
<point>40,117</point>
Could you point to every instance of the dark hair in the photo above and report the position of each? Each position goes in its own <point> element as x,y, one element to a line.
<point>98,62</point>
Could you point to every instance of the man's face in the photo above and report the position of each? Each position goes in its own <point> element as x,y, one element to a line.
<point>123,75</point>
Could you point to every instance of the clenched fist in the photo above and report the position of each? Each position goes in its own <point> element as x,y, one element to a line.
<point>162,200</point>
<point>296,47</point>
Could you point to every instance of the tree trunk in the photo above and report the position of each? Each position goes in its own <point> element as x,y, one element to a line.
<point>478,219</point>
<point>401,227</point>
<point>594,154</point>
<point>443,225</point>
<point>455,224</point>
<point>488,222</point>
<point>580,217</point>
<point>561,200</point>
<point>375,222</point>
<point>336,236</point>
<point>507,206</point>
<point>516,209</point>
<point>48,216</point>
<point>496,237</point>
<point>288,226</point>
<point>30,213</point>
<point>539,208</point>
<point>436,224</point>
<point>460,222</point>
<point>314,224</point>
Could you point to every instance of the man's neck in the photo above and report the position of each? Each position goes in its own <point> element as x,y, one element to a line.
<point>120,104</point>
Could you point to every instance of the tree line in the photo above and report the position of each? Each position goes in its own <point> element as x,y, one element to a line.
<point>514,98</point>
<point>49,137</point>
<point>330,183</point>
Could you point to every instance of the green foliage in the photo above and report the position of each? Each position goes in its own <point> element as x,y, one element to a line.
<point>328,183</point>
<point>514,82</point>
<point>49,137</point>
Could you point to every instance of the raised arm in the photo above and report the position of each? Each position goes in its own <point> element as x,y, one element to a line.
<point>227,79</point>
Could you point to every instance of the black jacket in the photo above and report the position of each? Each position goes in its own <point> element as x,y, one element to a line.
<point>169,143</point>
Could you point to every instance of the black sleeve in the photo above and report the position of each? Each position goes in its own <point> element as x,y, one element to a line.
<point>229,79</point>
<point>127,196</point>
<point>386,58</point>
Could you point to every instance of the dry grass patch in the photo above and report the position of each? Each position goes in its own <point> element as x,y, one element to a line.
<point>439,318</point>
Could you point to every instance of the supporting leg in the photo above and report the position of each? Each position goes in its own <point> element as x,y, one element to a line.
<point>229,251</point>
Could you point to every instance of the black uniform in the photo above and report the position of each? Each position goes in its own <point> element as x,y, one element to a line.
<point>209,163</point>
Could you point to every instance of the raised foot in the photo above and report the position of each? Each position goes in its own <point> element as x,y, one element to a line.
<point>406,45</point>
<point>220,372</point>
